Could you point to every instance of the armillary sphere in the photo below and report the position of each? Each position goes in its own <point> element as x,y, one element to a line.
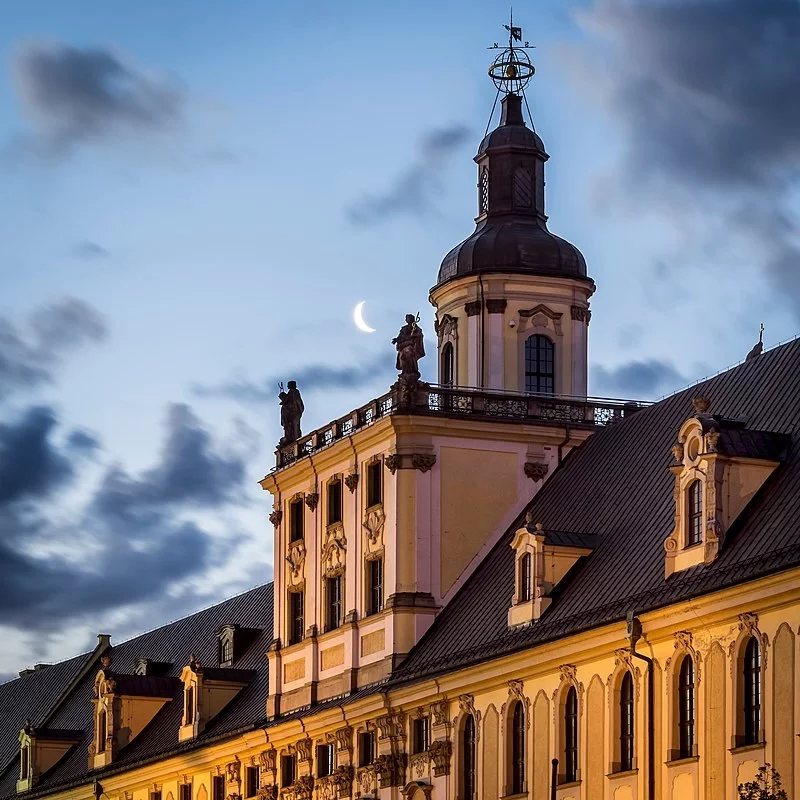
<point>511,70</point>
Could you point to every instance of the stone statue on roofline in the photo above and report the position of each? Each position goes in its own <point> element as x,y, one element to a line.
<point>410,347</point>
<point>291,410</point>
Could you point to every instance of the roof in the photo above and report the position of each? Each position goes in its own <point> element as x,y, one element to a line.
<point>617,487</point>
<point>35,695</point>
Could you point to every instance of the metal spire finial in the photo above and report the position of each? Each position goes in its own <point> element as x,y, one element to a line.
<point>512,69</point>
<point>758,347</point>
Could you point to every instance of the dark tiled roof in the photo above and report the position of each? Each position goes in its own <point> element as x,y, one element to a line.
<point>617,485</point>
<point>144,685</point>
<point>228,674</point>
<point>54,734</point>
<point>172,644</point>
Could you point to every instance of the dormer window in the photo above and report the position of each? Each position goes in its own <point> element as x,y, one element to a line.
<point>525,578</point>
<point>102,731</point>
<point>40,749</point>
<point>695,513</point>
<point>24,762</point>
<point>188,714</point>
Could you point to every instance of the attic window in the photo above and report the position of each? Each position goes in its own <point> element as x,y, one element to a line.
<point>102,731</point>
<point>524,591</point>
<point>24,762</point>
<point>695,511</point>
<point>189,706</point>
<point>226,645</point>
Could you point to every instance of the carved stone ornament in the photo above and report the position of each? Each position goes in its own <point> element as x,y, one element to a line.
<point>268,792</point>
<point>342,780</point>
<point>701,404</point>
<point>419,765</point>
<point>334,551</point>
<point>473,308</point>
<point>312,500</point>
<point>344,740</point>
<point>579,313</point>
<point>391,769</point>
<point>304,787</point>
<point>677,453</point>
<point>392,462</point>
<point>414,788</point>
<point>712,442</point>
<point>392,725</point>
<point>304,749</point>
<point>447,326</point>
<point>268,760</point>
<point>440,711</point>
<point>623,660</point>
<point>440,752</point>
<point>233,796</point>
<point>296,560</point>
<point>233,771</point>
<point>684,646</point>
<point>536,471</point>
<point>542,317</point>
<point>373,527</point>
<point>496,305</point>
<point>423,461</point>
<point>367,781</point>
<point>351,481</point>
<point>275,517</point>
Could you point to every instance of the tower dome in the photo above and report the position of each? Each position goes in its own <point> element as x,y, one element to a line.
<point>511,234</point>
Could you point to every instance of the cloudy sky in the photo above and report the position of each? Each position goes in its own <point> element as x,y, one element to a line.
<point>196,194</point>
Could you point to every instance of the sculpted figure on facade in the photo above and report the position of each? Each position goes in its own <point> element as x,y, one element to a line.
<point>410,347</point>
<point>292,409</point>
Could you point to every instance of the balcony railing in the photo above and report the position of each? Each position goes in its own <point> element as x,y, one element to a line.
<point>459,401</point>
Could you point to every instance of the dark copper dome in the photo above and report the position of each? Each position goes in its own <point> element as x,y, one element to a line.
<point>511,232</point>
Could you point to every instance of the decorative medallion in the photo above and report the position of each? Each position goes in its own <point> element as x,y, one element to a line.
<point>536,471</point>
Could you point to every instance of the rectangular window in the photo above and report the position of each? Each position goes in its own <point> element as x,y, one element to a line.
<point>102,732</point>
<point>366,748</point>
<point>23,765</point>
<point>252,782</point>
<point>296,518</point>
<point>374,483</point>
<point>217,788</point>
<point>185,791</point>
<point>334,502</point>
<point>374,586</point>
<point>333,597</point>
<point>287,770</point>
<point>295,617</point>
<point>157,796</point>
<point>420,734</point>
<point>324,760</point>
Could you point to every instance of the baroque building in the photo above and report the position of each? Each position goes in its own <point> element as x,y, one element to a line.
<point>492,586</point>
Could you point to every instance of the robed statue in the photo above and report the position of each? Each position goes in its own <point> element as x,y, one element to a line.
<point>291,410</point>
<point>410,347</point>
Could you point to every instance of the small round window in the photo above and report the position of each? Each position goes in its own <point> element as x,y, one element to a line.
<point>693,448</point>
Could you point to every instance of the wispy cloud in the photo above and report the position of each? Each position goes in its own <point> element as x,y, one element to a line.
<point>640,380</point>
<point>88,250</point>
<point>414,191</point>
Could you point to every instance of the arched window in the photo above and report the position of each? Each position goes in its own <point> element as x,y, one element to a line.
<point>539,365</point>
<point>752,692</point>
<point>571,736</point>
<point>525,578</point>
<point>518,749</point>
<point>483,189</point>
<point>189,705</point>
<point>102,731</point>
<point>523,187</point>
<point>686,708</point>
<point>448,366</point>
<point>694,496</point>
<point>468,782</point>
<point>626,728</point>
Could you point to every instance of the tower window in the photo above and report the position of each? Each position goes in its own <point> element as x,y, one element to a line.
<point>334,502</point>
<point>571,736</point>
<point>518,750</point>
<point>752,692</point>
<point>483,191</point>
<point>626,724</point>
<point>686,708</point>
<point>448,373</point>
<point>525,578</point>
<point>523,187</point>
<point>324,760</point>
<point>333,597</point>
<point>695,502</point>
<point>296,518</point>
<point>468,782</point>
<point>374,585</point>
<point>295,617</point>
<point>252,782</point>
<point>539,365</point>
<point>374,484</point>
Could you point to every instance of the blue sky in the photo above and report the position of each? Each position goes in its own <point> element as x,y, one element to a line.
<point>204,233</point>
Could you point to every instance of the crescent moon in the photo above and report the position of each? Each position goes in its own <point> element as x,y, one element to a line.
<point>358,318</point>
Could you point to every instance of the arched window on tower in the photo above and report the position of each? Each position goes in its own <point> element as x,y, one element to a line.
<point>468,782</point>
<point>694,497</point>
<point>686,709</point>
<point>571,736</point>
<point>518,749</point>
<point>448,365</point>
<point>752,692</point>
<point>483,191</point>
<point>539,365</point>
<point>627,747</point>
<point>523,187</point>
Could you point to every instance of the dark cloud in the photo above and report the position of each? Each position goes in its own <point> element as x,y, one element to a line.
<point>74,95</point>
<point>133,537</point>
<point>309,378</point>
<point>27,357</point>
<point>707,93</point>
<point>414,190</point>
<point>83,441</point>
<point>640,380</point>
<point>88,250</point>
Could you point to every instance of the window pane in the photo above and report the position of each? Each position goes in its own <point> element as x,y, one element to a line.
<point>374,488</point>
<point>695,504</point>
<point>571,736</point>
<point>686,708</point>
<point>334,502</point>
<point>539,365</point>
<point>468,759</point>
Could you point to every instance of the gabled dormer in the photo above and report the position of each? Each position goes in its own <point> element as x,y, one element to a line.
<point>40,749</point>
<point>206,691</point>
<point>720,464</point>
<point>123,706</point>
<point>232,643</point>
<point>542,559</point>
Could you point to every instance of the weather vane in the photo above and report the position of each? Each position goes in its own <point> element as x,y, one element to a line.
<point>512,69</point>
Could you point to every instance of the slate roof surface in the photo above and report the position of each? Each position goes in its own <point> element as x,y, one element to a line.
<point>618,487</point>
<point>172,644</point>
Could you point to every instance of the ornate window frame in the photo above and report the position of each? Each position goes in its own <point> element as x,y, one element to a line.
<point>684,646</point>
<point>517,699</point>
<point>569,681</point>
<point>623,665</point>
<point>543,321</point>
<point>447,331</point>
<point>466,711</point>
<point>748,629</point>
